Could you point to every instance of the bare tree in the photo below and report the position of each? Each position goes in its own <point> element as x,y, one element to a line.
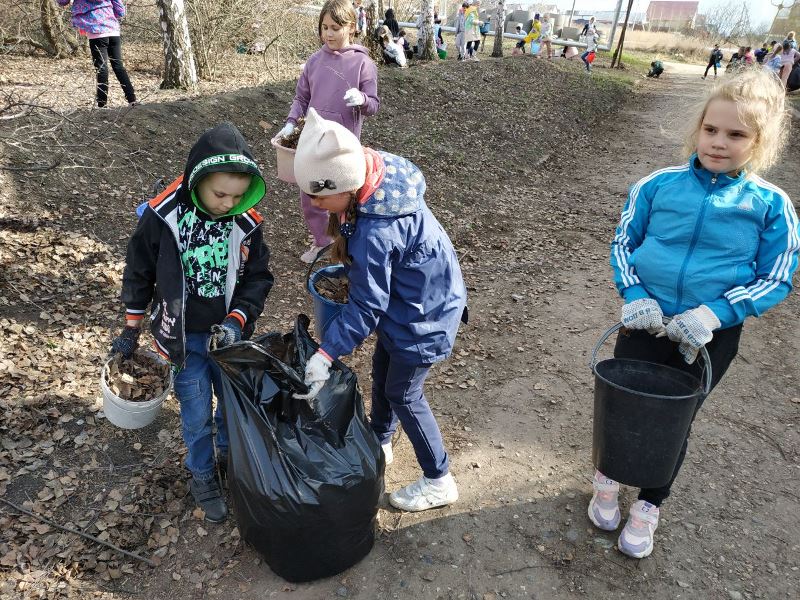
<point>179,65</point>
<point>425,40</point>
<point>62,42</point>
<point>497,50</point>
<point>730,21</point>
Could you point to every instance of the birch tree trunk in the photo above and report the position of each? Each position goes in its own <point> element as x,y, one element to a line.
<point>425,43</point>
<point>179,67</point>
<point>497,50</point>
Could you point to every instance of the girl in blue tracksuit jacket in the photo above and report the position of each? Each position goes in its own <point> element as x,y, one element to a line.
<point>708,244</point>
<point>405,285</point>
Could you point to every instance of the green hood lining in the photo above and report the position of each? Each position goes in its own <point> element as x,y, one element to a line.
<point>255,192</point>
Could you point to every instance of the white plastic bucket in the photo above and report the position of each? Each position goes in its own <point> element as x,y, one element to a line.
<point>285,160</point>
<point>127,414</point>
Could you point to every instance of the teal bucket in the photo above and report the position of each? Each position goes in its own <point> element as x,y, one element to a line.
<point>535,47</point>
<point>325,310</point>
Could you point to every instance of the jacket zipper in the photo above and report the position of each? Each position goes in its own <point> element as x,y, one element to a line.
<point>695,236</point>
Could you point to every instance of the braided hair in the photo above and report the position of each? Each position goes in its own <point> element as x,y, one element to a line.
<point>341,231</point>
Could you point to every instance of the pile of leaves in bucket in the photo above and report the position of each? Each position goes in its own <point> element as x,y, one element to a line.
<point>335,289</point>
<point>290,141</point>
<point>138,379</point>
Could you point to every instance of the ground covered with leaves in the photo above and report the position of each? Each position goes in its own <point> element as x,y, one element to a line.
<point>527,163</point>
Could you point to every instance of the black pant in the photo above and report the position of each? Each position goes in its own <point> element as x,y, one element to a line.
<point>641,345</point>
<point>711,64</point>
<point>104,49</point>
<point>472,47</point>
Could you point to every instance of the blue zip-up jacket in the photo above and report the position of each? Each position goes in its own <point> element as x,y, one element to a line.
<point>405,281</point>
<point>689,237</point>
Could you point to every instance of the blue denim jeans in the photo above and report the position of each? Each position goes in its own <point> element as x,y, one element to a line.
<point>586,62</point>
<point>193,386</point>
<point>397,394</point>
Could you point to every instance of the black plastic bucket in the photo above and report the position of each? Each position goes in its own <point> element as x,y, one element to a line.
<point>642,413</point>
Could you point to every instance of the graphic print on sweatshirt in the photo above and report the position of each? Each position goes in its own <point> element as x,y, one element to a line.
<point>204,252</point>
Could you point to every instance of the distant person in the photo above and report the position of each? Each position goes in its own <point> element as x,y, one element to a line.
<point>591,51</point>
<point>774,63</point>
<point>519,47</point>
<point>749,59</point>
<point>589,27</point>
<point>99,21</point>
<point>789,56</point>
<point>714,60</point>
<point>361,18</point>
<point>535,34</point>
<point>546,36</point>
<point>472,29</point>
<point>391,22</point>
<point>393,53</point>
<point>656,69</point>
<point>723,253</point>
<point>404,44</point>
<point>761,54</point>
<point>790,37</point>
<point>461,20</point>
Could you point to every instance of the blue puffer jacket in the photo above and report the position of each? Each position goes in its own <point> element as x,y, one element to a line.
<point>405,281</point>
<point>689,237</point>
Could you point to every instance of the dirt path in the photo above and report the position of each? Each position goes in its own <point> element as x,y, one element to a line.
<point>515,400</point>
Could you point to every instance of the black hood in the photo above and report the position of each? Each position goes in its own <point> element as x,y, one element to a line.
<point>222,149</point>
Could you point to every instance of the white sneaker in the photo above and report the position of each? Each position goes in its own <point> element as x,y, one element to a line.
<point>309,255</point>
<point>636,539</point>
<point>388,454</point>
<point>425,493</point>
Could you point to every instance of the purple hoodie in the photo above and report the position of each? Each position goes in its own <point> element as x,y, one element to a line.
<point>326,77</point>
<point>96,17</point>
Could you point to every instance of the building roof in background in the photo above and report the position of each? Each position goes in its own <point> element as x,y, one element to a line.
<point>668,10</point>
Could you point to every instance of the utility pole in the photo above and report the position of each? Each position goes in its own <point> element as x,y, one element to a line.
<point>571,14</point>
<point>617,59</point>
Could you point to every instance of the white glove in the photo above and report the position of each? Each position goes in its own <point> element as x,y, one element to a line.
<point>643,314</point>
<point>318,371</point>
<point>354,97</point>
<point>692,329</point>
<point>287,130</point>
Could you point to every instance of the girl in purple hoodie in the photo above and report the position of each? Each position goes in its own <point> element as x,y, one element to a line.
<point>99,21</point>
<point>340,82</point>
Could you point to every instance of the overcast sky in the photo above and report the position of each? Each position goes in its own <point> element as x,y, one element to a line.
<point>762,10</point>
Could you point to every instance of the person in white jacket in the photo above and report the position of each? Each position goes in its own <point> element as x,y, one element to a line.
<point>546,35</point>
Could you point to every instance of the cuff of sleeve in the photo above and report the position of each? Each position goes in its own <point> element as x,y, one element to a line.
<point>634,292</point>
<point>326,355</point>
<point>134,314</point>
<point>239,316</point>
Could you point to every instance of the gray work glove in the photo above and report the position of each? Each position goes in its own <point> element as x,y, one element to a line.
<point>692,330</point>
<point>643,314</point>
<point>227,333</point>
<point>318,371</point>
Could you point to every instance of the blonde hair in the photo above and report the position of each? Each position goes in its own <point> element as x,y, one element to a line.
<point>761,103</point>
<point>341,12</point>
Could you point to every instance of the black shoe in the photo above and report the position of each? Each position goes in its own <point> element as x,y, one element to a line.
<point>208,496</point>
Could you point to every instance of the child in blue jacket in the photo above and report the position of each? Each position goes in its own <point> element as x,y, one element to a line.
<point>707,243</point>
<point>405,284</point>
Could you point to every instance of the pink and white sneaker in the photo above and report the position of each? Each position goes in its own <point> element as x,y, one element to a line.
<point>603,507</point>
<point>636,539</point>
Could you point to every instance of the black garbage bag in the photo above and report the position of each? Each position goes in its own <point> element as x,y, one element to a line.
<point>305,478</point>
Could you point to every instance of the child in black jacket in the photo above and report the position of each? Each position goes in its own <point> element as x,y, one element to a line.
<point>197,258</point>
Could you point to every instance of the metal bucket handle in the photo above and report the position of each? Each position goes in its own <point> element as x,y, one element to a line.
<point>705,378</point>
<point>316,258</point>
